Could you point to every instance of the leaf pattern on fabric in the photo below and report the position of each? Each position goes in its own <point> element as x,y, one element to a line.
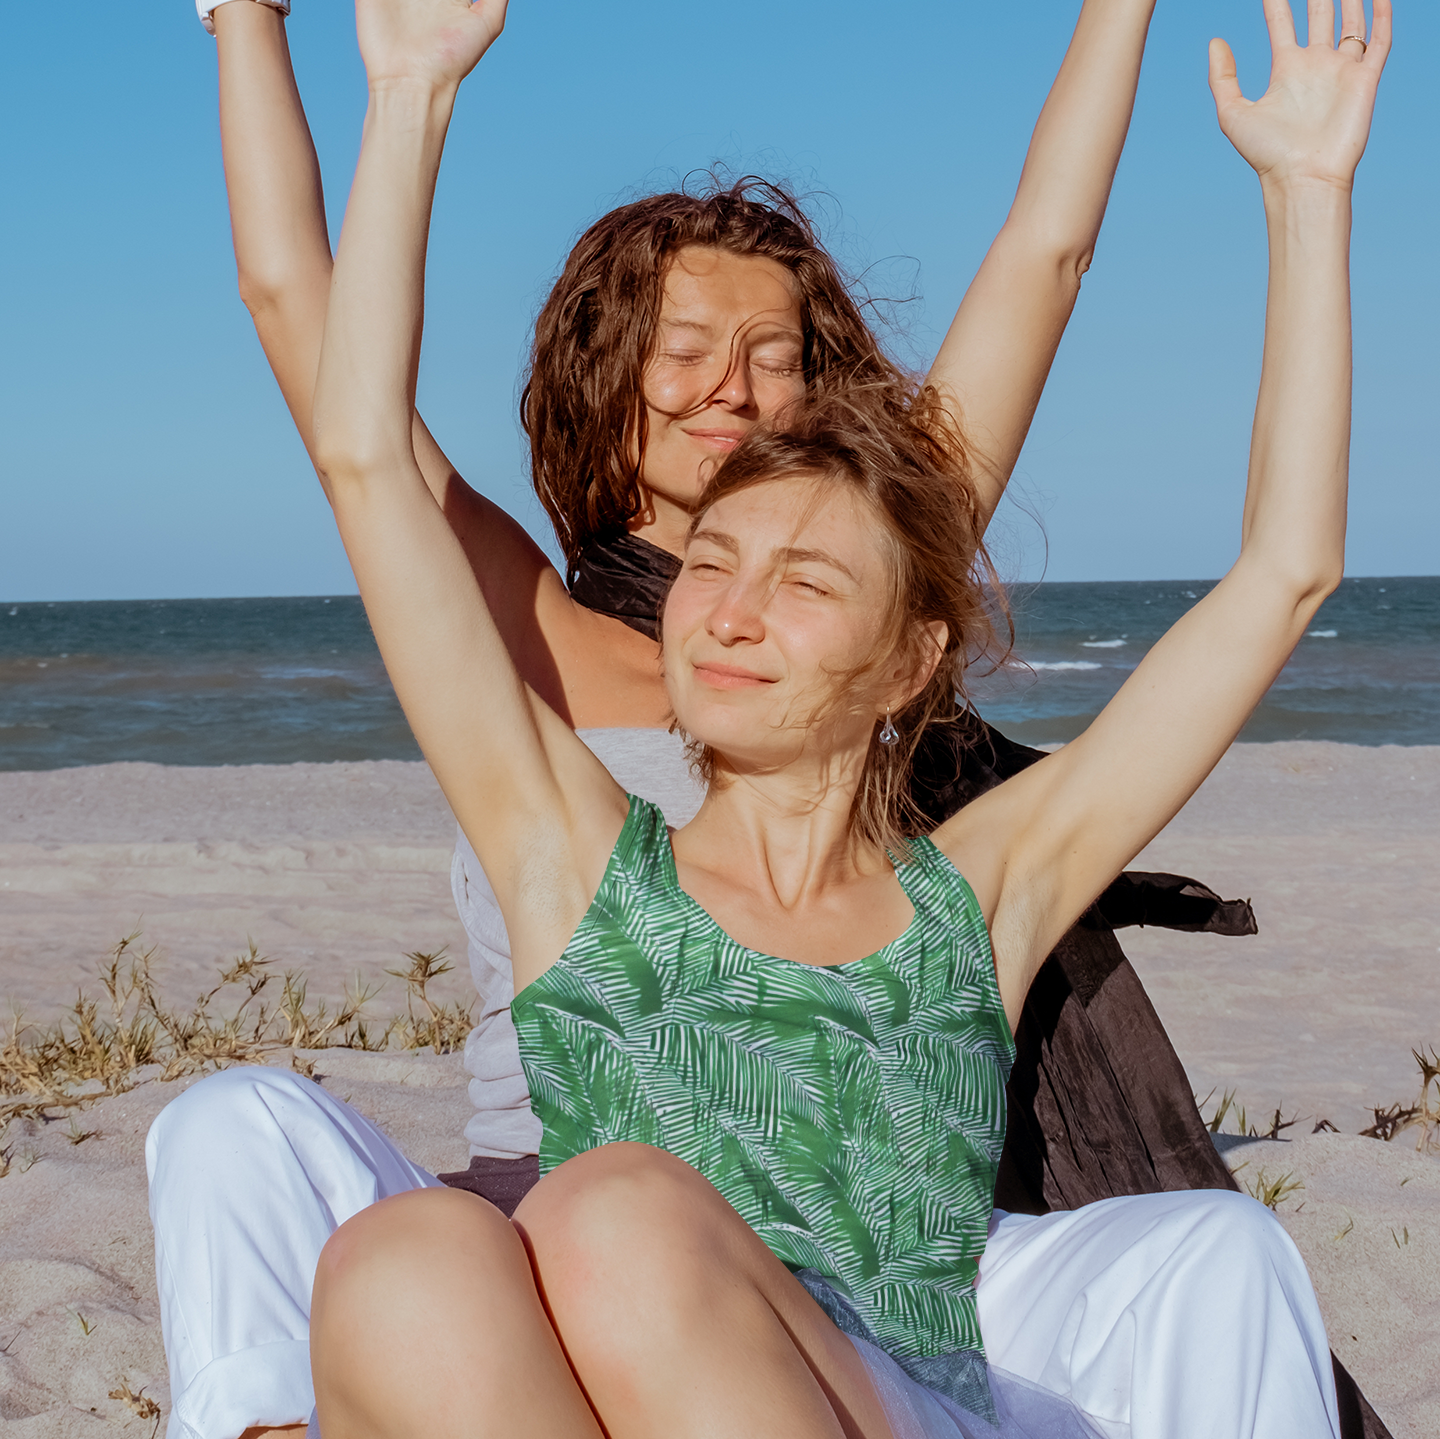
<point>853,1115</point>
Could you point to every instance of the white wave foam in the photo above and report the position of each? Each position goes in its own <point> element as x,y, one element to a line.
<point>1321,634</point>
<point>1064,665</point>
<point>1101,644</point>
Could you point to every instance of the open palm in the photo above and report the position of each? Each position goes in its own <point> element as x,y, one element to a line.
<point>432,41</point>
<point>1314,119</point>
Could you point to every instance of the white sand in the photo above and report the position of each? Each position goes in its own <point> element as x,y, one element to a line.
<point>342,868</point>
<point>1339,847</point>
<point>75,1241</point>
<point>336,869</point>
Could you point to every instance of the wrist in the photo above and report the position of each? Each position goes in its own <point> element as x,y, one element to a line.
<point>1307,219</point>
<point>413,94</point>
<point>1318,191</point>
<point>206,9</point>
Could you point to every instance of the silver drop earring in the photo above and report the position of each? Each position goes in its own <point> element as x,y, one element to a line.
<point>889,735</point>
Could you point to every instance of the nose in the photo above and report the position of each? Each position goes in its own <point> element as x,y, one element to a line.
<point>735,390</point>
<point>738,615</point>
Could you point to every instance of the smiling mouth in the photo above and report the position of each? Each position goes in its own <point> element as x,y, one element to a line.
<point>730,677</point>
<point>722,440</point>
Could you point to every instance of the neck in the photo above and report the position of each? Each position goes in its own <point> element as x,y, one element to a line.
<point>663,522</point>
<point>784,833</point>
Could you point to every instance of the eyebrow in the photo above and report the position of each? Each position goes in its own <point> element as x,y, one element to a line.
<point>789,555</point>
<point>698,326</point>
<point>783,330</point>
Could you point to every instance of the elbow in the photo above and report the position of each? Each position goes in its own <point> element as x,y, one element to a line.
<point>260,293</point>
<point>355,463</point>
<point>1301,588</point>
<point>1321,584</point>
<point>281,287</point>
<point>344,469</point>
<point>1051,251</point>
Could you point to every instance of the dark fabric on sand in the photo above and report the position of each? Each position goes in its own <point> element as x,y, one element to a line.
<point>1099,1104</point>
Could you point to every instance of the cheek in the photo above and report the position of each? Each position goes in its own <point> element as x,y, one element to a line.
<point>773,393</point>
<point>670,392</point>
<point>819,641</point>
<point>683,613</point>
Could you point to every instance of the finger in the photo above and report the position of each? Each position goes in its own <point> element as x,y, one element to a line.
<point>1380,34</point>
<point>1224,80</point>
<point>1320,24</point>
<point>1281,25</point>
<point>1352,18</point>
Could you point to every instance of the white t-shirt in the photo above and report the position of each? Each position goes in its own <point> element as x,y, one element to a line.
<point>647,762</point>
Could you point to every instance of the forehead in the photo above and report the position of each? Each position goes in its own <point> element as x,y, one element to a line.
<point>714,288</point>
<point>805,513</point>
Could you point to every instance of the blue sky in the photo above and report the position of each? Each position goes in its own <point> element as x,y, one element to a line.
<point>144,450</point>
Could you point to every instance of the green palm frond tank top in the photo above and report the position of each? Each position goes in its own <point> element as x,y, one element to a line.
<point>853,1114</point>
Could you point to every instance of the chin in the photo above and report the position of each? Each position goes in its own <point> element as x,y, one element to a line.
<point>746,737</point>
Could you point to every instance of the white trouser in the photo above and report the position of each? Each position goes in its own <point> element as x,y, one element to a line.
<point>251,1171</point>
<point>1167,1316</point>
<point>1163,1316</point>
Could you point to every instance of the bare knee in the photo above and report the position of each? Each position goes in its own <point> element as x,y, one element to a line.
<point>402,1242</point>
<point>627,1242</point>
<point>617,1206</point>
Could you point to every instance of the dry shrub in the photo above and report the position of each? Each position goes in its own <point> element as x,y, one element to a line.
<point>101,1047</point>
<point>1423,1115</point>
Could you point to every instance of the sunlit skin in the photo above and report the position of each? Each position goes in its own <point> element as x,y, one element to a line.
<point>727,354</point>
<point>429,1309</point>
<point>780,600</point>
<point>778,596</point>
<point>593,670</point>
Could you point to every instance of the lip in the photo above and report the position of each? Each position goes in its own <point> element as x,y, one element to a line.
<point>729,677</point>
<point>722,441</point>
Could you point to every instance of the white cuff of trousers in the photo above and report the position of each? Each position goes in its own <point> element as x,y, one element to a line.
<point>204,8</point>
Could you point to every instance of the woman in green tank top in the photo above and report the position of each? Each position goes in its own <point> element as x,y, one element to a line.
<point>769,1049</point>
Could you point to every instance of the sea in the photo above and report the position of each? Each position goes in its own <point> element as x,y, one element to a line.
<point>276,681</point>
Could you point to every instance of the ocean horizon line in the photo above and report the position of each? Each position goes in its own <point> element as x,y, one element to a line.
<point>298,678</point>
<point>6,604</point>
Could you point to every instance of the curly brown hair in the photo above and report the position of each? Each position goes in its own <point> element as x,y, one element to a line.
<point>583,406</point>
<point>895,446</point>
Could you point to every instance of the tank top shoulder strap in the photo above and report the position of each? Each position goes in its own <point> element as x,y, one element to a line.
<point>932,879</point>
<point>642,853</point>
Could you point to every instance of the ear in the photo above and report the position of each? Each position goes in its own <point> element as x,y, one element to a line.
<point>931,640</point>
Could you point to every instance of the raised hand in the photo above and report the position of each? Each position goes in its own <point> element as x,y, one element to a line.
<point>434,42</point>
<point>1313,121</point>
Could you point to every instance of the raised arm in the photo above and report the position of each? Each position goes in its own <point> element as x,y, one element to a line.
<point>1042,845</point>
<point>282,257</point>
<point>540,810</point>
<point>998,352</point>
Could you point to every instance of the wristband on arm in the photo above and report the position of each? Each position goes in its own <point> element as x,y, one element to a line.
<point>203,9</point>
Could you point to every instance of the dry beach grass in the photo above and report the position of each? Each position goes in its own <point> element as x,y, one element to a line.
<point>339,867</point>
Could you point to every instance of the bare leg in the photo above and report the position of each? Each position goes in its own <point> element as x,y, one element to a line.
<point>678,1320</point>
<point>425,1322</point>
<point>676,1317</point>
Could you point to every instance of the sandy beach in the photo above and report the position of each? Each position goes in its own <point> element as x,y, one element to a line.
<point>340,869</point>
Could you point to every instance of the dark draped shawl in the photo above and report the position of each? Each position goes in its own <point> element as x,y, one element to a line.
<point>1099,1104</point>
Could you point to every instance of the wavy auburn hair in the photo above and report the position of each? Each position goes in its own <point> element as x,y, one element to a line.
<point>583,406</point>
<point>898,450</point>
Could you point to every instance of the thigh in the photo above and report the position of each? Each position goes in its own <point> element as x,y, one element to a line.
<point>652,1279</point>
<point>426,1320</point>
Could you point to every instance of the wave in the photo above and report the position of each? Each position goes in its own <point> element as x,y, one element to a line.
<point>1063,665</point>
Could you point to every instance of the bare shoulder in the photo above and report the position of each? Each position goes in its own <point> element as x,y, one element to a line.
<point>593,671</point>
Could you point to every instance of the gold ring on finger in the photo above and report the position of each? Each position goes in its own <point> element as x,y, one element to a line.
<point>1358,39</point>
